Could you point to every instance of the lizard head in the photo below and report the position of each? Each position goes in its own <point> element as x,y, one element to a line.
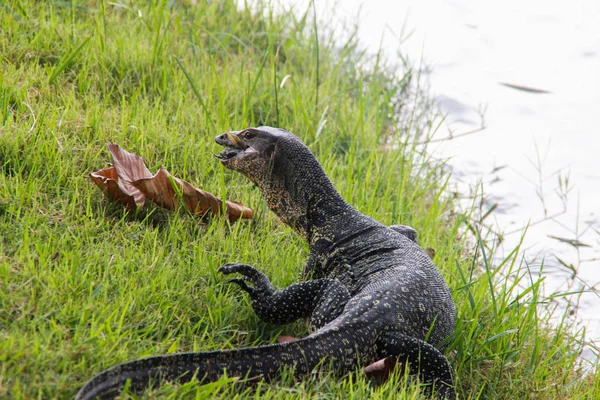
<point>250,151</point>
<point>292,181</point>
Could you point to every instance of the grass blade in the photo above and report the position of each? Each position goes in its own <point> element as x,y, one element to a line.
<point>66,61</point>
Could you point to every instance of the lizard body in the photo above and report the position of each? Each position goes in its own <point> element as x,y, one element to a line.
<point>371,292</point>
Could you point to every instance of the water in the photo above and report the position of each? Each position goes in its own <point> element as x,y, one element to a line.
<point>530,72</point>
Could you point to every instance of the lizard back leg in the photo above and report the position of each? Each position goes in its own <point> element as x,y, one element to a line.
<point>422,358</point>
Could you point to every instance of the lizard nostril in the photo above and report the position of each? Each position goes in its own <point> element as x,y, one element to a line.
<point>220,139</point>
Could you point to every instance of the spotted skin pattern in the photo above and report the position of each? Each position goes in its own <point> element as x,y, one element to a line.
<point>369,291</point>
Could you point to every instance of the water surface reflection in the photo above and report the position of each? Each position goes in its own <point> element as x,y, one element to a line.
<point>529,71</point>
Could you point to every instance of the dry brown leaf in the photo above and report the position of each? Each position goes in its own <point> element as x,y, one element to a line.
<point>130,167</point>
<point>161,189</point>
<point>129,182</point>
<point>115,182</point>
<point>107,180</point>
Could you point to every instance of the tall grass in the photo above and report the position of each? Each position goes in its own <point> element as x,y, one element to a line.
<point>85,285</point>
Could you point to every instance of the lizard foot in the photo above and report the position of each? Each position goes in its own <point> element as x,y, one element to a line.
<point>380,370</point>
<point>261,283</point>
<point>285,339</point>
<point>244,269</point>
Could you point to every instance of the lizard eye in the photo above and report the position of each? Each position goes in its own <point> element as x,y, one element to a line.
<point>248,135</point>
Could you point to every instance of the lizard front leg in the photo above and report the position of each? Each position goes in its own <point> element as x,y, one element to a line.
<point>321,299</point>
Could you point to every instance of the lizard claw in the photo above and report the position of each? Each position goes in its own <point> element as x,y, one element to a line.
<point>243,285</point>
<point>232,268</point>
<point>246,270</point>
<point>258,279</point>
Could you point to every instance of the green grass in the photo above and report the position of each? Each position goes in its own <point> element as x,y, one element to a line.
<point>84,285</point>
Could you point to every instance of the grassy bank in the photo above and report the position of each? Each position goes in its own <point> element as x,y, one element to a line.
<point>84,285</point>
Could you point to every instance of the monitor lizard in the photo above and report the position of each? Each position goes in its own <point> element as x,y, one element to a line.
<point>370,292</point>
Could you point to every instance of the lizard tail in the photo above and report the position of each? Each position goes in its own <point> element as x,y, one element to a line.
<point>336,346</point>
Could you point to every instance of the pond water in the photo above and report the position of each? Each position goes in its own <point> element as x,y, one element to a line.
<point>530,72</point>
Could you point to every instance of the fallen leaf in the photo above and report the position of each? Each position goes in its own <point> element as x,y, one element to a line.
<point>167,191</point>
<point>129,182</point>
<point>107,181</point>
<point>129,167</point>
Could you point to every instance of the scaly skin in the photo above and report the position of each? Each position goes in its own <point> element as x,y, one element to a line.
<point>371,292</point>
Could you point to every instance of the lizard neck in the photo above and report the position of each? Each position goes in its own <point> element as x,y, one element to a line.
<point>297,189</point>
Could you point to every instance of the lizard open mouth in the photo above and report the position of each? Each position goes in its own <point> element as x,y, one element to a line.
<point>229,153</point>
<point>234,147</point>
